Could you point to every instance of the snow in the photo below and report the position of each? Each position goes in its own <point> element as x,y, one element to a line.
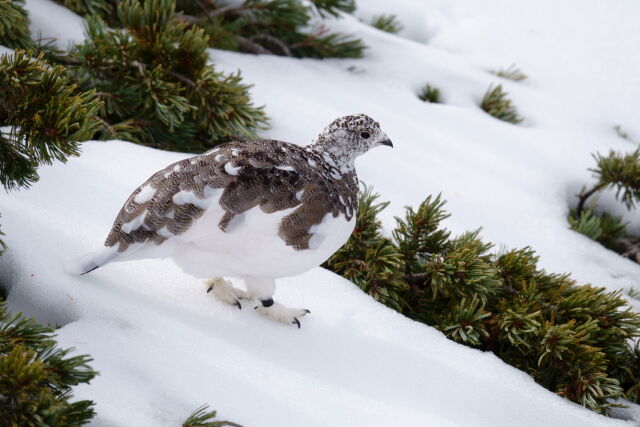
<point>163,346</point>
<point>51,21</point>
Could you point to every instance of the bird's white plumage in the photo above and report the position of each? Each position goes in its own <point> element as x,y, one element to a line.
<point>248,247</point>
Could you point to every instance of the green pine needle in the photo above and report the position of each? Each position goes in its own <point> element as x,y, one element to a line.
<point>512,72</point>
<point>334,7</point>
<point>387,22</point>
<point>36,377</point>
<point>201,417</point>
<point>603,228</point>
<point>622,173</point>
<point>14,25</point>
<point>157,86</point>
<point>45,116</point>
<point>430,93</point>
<point>496,104</point>
<point>275,27</point>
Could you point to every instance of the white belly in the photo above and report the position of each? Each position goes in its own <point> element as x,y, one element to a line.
<point>251,245</point>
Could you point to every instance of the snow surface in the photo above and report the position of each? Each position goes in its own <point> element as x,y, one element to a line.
<point>164,347</point>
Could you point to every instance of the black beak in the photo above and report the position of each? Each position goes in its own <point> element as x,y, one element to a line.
<point>386,142</point>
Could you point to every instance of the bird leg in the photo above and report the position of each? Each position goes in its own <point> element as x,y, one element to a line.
<point>225,292</point>
<point>263,289</point>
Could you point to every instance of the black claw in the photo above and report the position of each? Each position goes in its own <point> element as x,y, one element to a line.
<point>296,322</point>
<point>210,288</point>
<point>308,311</point>
<point>238,304</point>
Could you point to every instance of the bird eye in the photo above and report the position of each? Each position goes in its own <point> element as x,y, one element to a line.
<point>365,135</point>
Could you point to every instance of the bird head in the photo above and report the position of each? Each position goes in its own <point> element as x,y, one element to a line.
<point>348,137</point>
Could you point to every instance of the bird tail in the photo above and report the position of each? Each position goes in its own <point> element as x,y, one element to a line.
<point>91,260</point>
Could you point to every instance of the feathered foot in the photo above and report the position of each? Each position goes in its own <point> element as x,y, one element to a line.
<point>225,292</point>
<point>280,312</point>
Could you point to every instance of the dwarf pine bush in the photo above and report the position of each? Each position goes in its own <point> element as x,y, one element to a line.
<point>203,417</point>
<point>14,25</point>
<point>388,23</point>
<point>430,93</point>
<point>156,84</point>
<point>575,340</point>
<point>43,118</point>
<point>496,103</point>
<point>276,27</point>
<point>512,72</point>
<point>619,172</point>
<point>36,377</point>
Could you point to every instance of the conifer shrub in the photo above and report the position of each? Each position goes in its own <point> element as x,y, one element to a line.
<point>512,72</point>
<point>36,376</point>
<point>602,227</point>
<point>430,93</point>
<point>14,25</point>
<point>575,340</point>
<point>155,82</point>
<point>496,103</point>
<point>619,172</point>
<point>202,417</point>
<point>387,22</point>
<point>276,27</point>
<point>43,117</point>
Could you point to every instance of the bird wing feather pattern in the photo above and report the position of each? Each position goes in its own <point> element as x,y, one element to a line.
<point>273,175</point>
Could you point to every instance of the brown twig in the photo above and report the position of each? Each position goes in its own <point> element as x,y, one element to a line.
<point>107,126</point>
<point>246,45</point>
<point>583,196</point>
<point>320,30</point>
<point>284,49</point>
<point>183,79</point>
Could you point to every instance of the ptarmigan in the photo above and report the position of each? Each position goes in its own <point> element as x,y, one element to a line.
<point>255,210</point>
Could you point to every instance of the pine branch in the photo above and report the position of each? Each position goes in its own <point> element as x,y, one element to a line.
<point>161,91</point>
<point>496,104</point>
<point>573,340</point>
<point>14,25</point>
<point>36,377</point>
<point>201,417</point>
<point>430,93</point>
<point>46,115</point>
<point>387,23</point>
<point>584,195</point>
<point>622,172</point>
<point>512,73</point>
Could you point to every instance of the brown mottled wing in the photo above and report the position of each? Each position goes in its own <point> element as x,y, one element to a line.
<point>271,174</point>
<point>160,211</point>
<point>294,228</point>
